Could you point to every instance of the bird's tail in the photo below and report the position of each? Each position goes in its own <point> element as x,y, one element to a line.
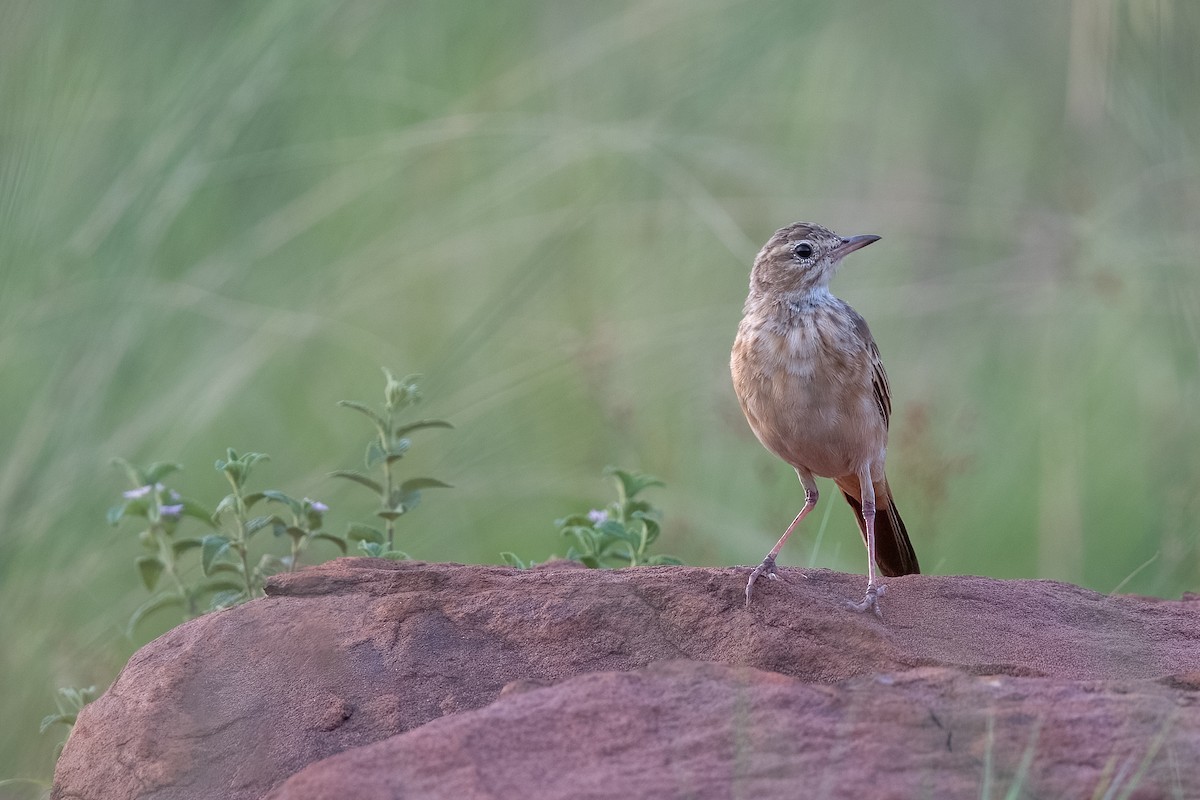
<point>894,553</point>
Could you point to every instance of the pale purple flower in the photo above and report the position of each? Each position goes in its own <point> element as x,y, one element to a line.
<point>142,491</point>
<point>598,516</point>
<point>171,511</point>
<point>316,505</point>
<point>175,496</point>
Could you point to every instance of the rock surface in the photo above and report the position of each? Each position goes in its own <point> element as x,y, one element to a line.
<point>697,730</point>
<point>397,666</point>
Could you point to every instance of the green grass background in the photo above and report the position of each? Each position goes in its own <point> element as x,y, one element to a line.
<point>218,219</point>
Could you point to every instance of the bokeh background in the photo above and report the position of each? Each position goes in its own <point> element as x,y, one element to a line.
<point>217,219</point>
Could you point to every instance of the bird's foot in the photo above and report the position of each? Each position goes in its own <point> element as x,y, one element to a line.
<point>871,600</point>
<point>767,567</point>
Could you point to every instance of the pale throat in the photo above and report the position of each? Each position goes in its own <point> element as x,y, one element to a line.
<point>808,299</point>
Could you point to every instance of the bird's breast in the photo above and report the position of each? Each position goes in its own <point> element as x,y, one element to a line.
<point>804,384</point>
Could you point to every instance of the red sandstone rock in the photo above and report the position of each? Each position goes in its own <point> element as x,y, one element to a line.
<point>697,730</point>
<point>359,650</point>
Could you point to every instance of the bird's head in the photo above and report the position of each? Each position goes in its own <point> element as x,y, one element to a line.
<point>801,259</point>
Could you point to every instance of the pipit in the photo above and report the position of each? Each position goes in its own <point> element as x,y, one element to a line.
<point>810,380</point>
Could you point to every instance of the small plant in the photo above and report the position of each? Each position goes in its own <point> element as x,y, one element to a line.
<point>513,560</point>
<point>228,577</point>
<point>70,702</point>
<point>619,534</point>
<point>163,509</point>
<point>228,551</point>
<point>304,527</point>
<point>225,551</point>
<point>229,573</point>
<point>388,446</point>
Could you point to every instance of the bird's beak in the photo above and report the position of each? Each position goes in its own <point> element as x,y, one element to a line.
<point>854,243</point>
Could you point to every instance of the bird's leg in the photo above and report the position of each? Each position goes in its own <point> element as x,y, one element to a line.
<point>767,567</point>
<point>871,600</point>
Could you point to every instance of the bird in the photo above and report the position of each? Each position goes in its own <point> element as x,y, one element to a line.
<point>810,380</point>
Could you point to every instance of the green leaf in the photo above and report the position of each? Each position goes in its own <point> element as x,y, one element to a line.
<point>401,502</point>
<point>512,559</point>
<point>633,507</point>
<point>158,470</point>
<point>412,484</point>
<point>220,464</point>
<point>196,511</point>
<point>375,454</point>
<point>222,584</point>
<point>580,532</point>
<point>250,459</point>
<point>248,500</point>
<point>400,393</point>
<point>238,467</point>
<point>151,569</point>
<point>629,484</point>
<point>134,508</point>
<point>279,497</point>
<point>256,524</point>
<point>420,424</point>
<point>389,514</point>
<point>169,523</point>
<point>403,499</point>
<point>226,599</point>
<point>77,697</point>
<point>332,538</point>
<point>233,469</point>
<point>580,520</point>
<point>229,503</point>
<point>616,530</point>
<point>183,545</point>
<point>53,719</point>
<point>612,528</point>
<point>297,534</point>
<point>358,477</point>
<point>664,561</point>
<point>650,520</point>
<point>367,411</point>
<point>372,549</point>
<point>357,532</point>
<point>396,450</point>
<point>154,603</point>
<point>136,476</point>
<point>213,548</point>
<point>378,550</point>
<point>114,515</point>
<point>586,539</point>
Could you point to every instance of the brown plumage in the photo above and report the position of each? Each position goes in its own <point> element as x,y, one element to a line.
<point>808,375</point>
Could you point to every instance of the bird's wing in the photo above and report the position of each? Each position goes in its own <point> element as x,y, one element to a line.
<point>879,379</point>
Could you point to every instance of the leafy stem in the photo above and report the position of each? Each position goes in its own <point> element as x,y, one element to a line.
<point>235,478</point>
<point>621,533</point>
<point>389,445</point>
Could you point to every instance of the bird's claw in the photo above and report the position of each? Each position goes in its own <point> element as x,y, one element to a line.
<point>767,567</point>
<point>871,600</point>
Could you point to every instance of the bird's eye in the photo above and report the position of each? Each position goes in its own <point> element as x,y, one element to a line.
<point>802,250</point>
